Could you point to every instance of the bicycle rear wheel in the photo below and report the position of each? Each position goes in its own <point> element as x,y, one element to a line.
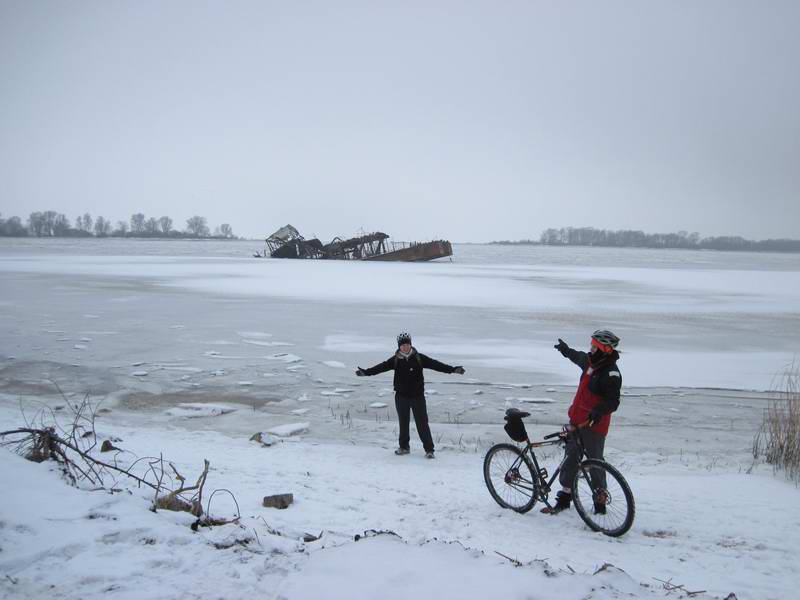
<point>603,498</point>
<point>509,476</point>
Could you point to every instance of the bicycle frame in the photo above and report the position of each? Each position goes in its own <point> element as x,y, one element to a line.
<point>543,486</point>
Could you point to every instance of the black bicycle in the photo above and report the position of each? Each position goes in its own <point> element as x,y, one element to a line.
<point>515,480</point>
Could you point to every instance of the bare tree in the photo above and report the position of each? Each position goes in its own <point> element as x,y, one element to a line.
<point>48,219</point>
<point>137,223</point>
<point>87,222</point>
<point>102,227</point>
<point>151,225</point>
<point>36,223</point>
<point>122,228</point>
<point>197,226</point>
<point>166,224</point>
<point>79,223</point>
<point>225,230</point>
<point>12,227</point>
<point>60,225</point>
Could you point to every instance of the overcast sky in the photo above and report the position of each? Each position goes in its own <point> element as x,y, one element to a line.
<point>471,121</point>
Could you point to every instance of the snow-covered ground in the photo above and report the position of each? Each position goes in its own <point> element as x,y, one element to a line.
<point>702,521</point>
<point>191,355</point>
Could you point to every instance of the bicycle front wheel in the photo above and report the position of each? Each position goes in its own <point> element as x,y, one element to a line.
<point>509,476</point>
<point>603,498</point>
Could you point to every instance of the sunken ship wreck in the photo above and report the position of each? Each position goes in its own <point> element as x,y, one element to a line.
<point>287,242</point>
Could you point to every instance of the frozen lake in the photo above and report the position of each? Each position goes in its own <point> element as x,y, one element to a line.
<point>687,319</point>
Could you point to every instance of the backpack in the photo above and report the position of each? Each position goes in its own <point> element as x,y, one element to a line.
<point>514,426</point>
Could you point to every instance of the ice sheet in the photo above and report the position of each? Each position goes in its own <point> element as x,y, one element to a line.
<point>509,287</point>
<point>685,319</point>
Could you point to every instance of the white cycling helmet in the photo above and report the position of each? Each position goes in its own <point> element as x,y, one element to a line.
<point>606,338</point>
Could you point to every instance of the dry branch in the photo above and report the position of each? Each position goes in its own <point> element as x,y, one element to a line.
<point>174,501</point>
<point>670,587</point>
<point>44,438</point>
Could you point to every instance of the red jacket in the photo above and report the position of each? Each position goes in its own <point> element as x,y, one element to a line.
<point>598,390</point>
<point>583,403</point>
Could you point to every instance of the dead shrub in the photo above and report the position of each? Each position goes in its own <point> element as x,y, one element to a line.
<point>778,440</point>
<point>70,440</point>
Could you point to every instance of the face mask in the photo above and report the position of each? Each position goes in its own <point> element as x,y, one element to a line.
<point>595,358</point>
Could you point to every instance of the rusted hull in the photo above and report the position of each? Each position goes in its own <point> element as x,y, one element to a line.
<point>418,252</point>
<point>287,242</point>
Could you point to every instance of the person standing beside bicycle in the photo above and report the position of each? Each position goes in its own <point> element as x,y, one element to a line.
<point>597,397</point>
<point>409,387</point>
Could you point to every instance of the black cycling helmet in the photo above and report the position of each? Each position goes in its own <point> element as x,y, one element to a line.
<point>403,338</point>
<point>606,338</point>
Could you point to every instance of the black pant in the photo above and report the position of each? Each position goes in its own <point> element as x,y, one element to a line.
<point>594,444</point>
<point>404,406</point>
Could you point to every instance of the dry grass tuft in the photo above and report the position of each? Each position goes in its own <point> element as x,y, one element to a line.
<point>779,438</point>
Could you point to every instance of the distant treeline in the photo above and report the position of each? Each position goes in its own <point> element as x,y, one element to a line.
<point>589,236</point>
<point>52,224</point>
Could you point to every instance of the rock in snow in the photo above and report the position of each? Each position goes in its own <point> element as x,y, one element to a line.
<point>278,501</point>
<point>107,446</point>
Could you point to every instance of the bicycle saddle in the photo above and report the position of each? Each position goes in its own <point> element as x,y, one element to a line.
<point>515,413</point>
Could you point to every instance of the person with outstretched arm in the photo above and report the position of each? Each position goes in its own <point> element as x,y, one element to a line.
<point>409,388</point>
<point>597,397</point>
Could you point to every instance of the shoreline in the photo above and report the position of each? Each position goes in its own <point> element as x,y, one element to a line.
<point>363,412</point>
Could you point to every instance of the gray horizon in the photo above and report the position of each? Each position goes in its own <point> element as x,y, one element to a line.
<point>470,122</point>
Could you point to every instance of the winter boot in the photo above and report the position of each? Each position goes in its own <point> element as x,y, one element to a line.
<point>600,501</point>
<point>401,451</point>
<point>429,454</point>
<point>563,500</point>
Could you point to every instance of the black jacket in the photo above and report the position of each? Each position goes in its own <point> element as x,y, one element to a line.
<point>408,378</point>
<point>605,380</point>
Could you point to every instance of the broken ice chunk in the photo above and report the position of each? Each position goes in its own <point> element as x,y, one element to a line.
<point>289,429</point>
